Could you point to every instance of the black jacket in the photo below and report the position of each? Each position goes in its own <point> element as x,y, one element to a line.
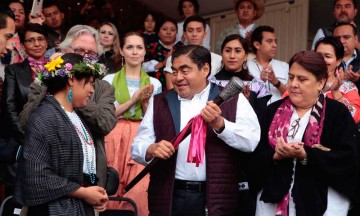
<point>355,63</point>
<point>336,168</point>
<point>16,89</point>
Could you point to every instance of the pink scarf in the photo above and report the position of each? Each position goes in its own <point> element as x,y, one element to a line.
<point>280,127</point>
<point>197,141</point>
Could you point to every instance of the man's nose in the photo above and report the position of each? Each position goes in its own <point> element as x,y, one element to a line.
<point>9,46</point>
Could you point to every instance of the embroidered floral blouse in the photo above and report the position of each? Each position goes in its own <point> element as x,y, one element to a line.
<point>156,52</point>
<point>351,98</point>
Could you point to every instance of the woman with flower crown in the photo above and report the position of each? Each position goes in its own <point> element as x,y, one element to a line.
<point>57,169</point>
<point>133,90</point>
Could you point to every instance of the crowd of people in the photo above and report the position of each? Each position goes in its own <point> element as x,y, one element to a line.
<point>78,101</point>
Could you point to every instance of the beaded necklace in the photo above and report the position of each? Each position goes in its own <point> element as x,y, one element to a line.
<point>87,140</point>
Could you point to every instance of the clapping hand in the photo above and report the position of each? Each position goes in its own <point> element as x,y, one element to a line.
<point>339,74</point>
<point>350,75</point>
<point>143,94</point>
<point>268,74</point>
<point>288,150</point>
<point>146,93</point>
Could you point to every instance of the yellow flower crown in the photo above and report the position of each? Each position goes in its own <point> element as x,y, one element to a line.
<point>57,68</point>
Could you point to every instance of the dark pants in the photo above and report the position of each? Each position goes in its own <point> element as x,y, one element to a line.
<point>188,203</point>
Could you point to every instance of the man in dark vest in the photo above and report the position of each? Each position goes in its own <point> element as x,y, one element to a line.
<point>179,187</point>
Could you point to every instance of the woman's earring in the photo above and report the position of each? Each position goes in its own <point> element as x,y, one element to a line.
<point>70,94</point>
<point>244,66</point>
<point>122,61</point>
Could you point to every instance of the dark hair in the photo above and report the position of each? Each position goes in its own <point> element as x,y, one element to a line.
<point>198,55</point>
<point>353,1</point>
<point>194,19</point>
<point>151,13</point>
<point>258,36</point>
<point>346,24</point>
<point>238,3</point>
<point>16,1</point>
<point>335,43</point>
<point>163,21</point>
<point>238,38</point>
<point>312,62</point>
<point>123,39</point>
<point>49,3</point>
<point>58,83</point>
<point>32,27</point>
<point>194,2</point>
<point>245,75</point>
<point>5,12</point>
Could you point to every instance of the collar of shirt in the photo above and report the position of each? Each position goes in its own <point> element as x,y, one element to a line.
<point>243,30</point>
<point>167,47</point>
<point>347,63</point>
<point>204,93</point>
<point>260,67</point>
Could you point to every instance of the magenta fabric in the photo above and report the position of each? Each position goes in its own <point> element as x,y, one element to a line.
<point>196,151</point>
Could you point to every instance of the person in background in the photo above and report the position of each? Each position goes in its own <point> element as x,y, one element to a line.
<point>306,162</point>
<point>54,22</point>
<point>247,12</point>
<point>158,52</point>
<point>149,28</point>
<point>7,31</point>
<point>99,113</point>
<point>179,183</point>
<point>109,39</point>
<point>18,54</point>
<point>194,32</point>
<point>336,87</point>
<point>186,9</point>
<point>57,168</point>
<point>273,72</point>
<point>133,89</point>
<point>234,51</point>
<point>19,76</point>
<point>343,11</point>
<point>347,34</point>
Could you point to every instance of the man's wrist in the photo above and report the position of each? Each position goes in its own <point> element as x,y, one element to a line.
<point>220,130</point>
<point>277,84</point>
<point>219,126</point>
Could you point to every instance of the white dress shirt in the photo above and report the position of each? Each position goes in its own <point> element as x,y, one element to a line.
<point>243,134</point>
<point>281,70</point>
<point>216,64</point>
<point>243,31</point>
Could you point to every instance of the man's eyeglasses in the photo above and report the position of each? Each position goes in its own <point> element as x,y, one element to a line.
<point>294,128</point>
<point>33,40</point>
<point>83,52</point>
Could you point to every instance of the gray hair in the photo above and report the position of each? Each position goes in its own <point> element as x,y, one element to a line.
<point>77,31</point>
